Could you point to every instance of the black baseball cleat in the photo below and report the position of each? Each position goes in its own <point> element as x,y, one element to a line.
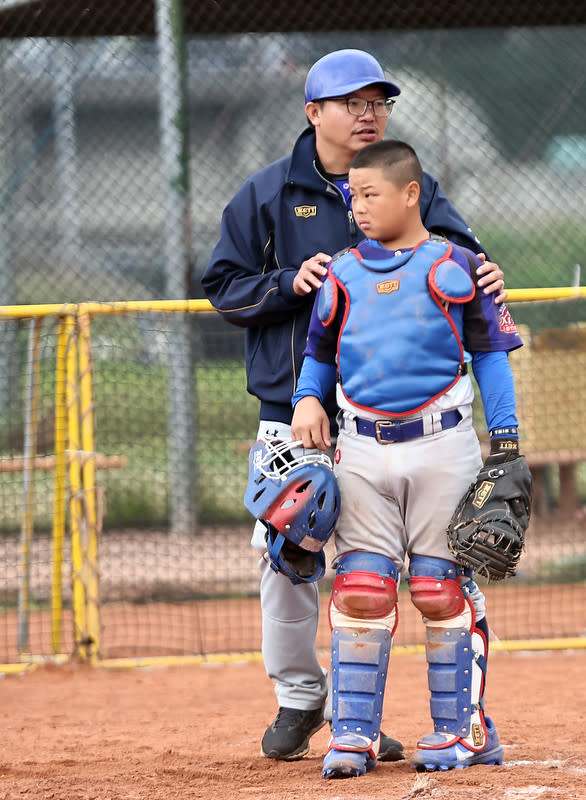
<point>390,749</point>
<point>287,739</point>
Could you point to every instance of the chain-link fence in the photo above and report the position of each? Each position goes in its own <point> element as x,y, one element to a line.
<point>498,116</point>
<point>119,150</point>
<point>123,578</point>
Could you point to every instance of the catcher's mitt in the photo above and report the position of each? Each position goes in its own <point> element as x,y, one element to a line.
<point>487,530</point>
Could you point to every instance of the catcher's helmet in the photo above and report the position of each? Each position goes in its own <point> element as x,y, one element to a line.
<point>297,497</point>
<point>345,71</point>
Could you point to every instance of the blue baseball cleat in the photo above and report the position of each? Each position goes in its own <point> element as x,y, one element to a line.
<point>347,763</point>
<point>437,753</point>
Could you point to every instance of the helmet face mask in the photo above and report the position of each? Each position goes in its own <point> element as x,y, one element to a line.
<point>296,495</point>
<point>275,459</point>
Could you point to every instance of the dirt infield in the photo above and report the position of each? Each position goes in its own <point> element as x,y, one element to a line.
<point>83,733</point>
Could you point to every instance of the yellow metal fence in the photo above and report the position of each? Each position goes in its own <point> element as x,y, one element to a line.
<point>76,631</point>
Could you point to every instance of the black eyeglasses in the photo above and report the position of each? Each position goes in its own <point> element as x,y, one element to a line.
<point>357,105</point>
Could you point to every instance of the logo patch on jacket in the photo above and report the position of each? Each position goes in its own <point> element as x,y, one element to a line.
<point>387,287</point>
<point>305,211</point>
<point>506,322</point>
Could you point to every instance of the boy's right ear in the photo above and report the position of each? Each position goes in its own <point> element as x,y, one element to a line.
<point>413,190</point>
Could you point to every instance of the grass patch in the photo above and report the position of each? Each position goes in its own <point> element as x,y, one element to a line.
<point>132,415</point>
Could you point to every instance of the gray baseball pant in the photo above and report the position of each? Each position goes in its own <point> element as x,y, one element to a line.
<point>290,617</point>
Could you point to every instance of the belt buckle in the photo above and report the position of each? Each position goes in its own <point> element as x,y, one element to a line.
<point>377,431</point>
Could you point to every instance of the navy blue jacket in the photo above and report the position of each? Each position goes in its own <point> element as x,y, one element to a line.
<point>281,216</point>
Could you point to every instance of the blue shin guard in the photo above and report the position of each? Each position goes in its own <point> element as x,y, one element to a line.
<point>463,735</point>
<point>359,671</point>
<point>456,652</point>
<point>363,618</point>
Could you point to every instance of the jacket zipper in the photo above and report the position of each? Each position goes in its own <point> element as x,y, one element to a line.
<point>350,215</point>
<point>351,223</point>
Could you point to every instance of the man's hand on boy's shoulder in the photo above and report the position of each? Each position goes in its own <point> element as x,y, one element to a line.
<point>492,280</point>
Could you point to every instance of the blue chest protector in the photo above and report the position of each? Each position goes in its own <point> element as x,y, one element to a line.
<point>400,342</point>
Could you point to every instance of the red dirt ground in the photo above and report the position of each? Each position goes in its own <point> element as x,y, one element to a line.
<point>83,733</point>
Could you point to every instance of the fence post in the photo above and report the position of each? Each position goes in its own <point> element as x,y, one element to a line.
<point>28,482</point>
<point>64,333</point>
<point>174,156</point>
<point>64,57</point>
<point>88,475</point>
<point>9,363</point>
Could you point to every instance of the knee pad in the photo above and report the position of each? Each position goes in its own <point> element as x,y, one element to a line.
<point>364,591</point>
<point>435,588</point>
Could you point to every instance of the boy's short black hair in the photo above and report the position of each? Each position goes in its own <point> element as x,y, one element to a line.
<point>397,159</point>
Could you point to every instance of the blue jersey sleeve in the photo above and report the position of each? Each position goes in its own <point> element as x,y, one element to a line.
<point>496,383</point>
<point>322,340</point>
<point>316,379</point>
<point>486,326</point>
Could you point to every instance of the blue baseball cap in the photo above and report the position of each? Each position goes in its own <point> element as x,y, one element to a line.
<point>343,72</point>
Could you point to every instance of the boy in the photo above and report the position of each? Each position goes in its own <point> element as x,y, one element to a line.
<point>277,232</point>
<point>397,321</point>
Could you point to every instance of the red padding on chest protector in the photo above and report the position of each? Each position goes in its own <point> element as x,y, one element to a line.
<point>436,599</point>
<point>364,595</point>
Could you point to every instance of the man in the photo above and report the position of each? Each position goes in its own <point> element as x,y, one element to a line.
<point>278,231</point>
